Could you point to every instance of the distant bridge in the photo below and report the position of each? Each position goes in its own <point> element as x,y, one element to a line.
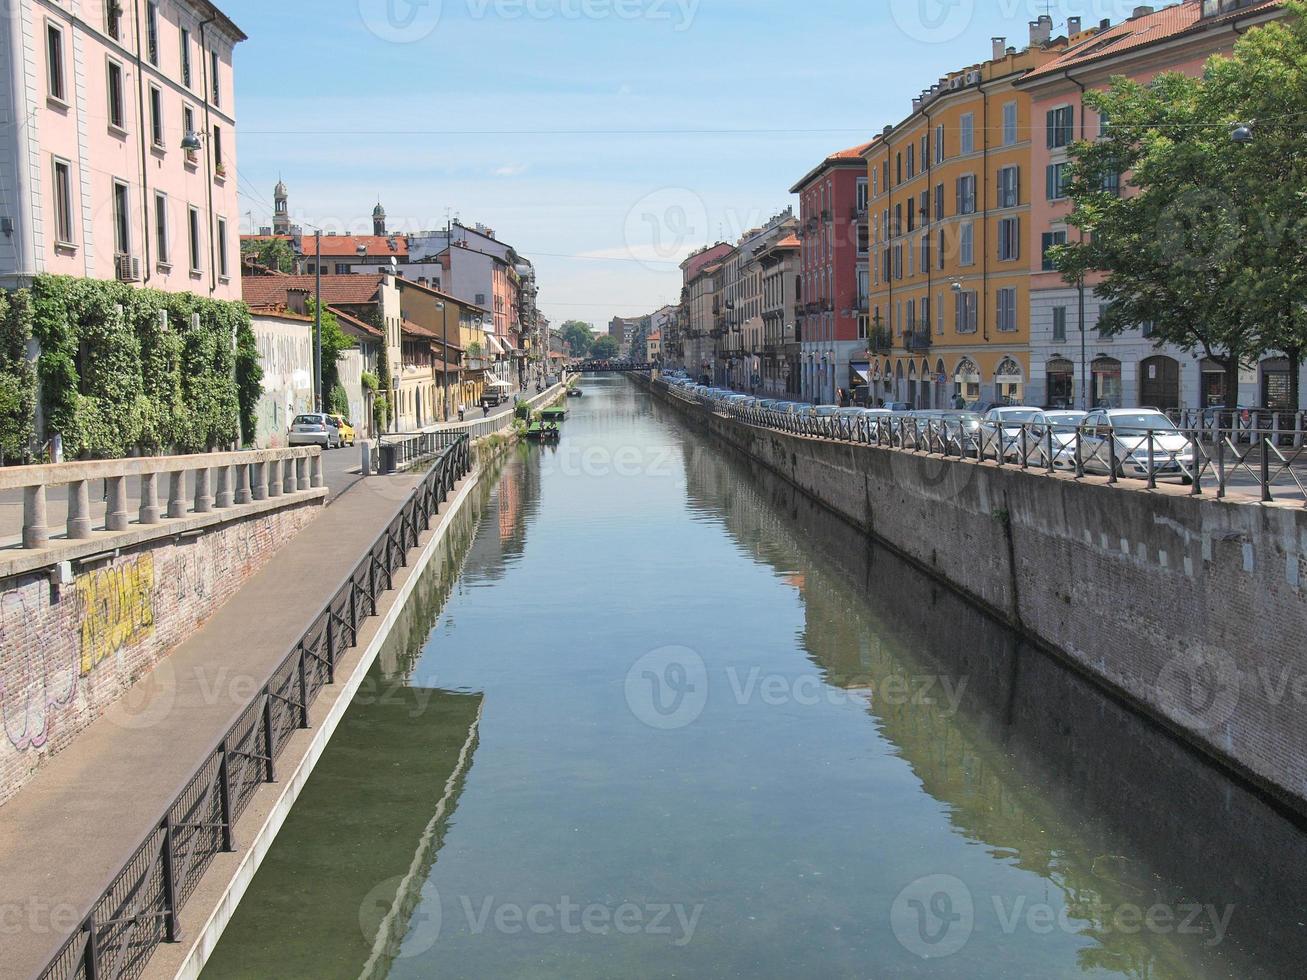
<point>593,367</point>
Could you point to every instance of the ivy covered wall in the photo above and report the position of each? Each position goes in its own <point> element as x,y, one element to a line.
<point>115,378</point>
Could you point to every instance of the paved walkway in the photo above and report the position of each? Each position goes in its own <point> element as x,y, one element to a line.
<point>66,833</point>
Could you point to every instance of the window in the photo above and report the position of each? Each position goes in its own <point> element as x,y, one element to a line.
<point>186,57</point>
<point>122,233</point>
<point>218,166</point>
<point>925,208</point>
<point>925,252</point>
<point>1051,239</point>
<point>54,62</point>
<point>864,239</point>
<point>1010,124</point>
<point>156,118</point>
<point>967,244</point>
<point>1007,309</point>
<point>1104,311</point>
<point>898,261</point>
<point>898,220</point>
<point>966,194</point>
<point>1059,324</point>
<point>942,249</point>
<point>1061,126</point>
<point>1111,184</point>
<point>193,239</point>
<point>1009,239</point>
<point>342,268</point>
<point>912,161</point>
<point>1147,328</point>
<point>63,202</point>
<point>964,311</point>
<point>898,169</point>
<point>223,271</point>
<point>113,19</point>
<point>117,106</point>
<point>968,133</point>
<point>1009,187</point>
<point>188,126</point>
<point>939,144</point>
<point>912,216</point>
<point>862,195</point>
<point>215,78</point>
<point>152,33</point>
<point>939,202</point>
<point>162,245</point>
<point>1056,180</point>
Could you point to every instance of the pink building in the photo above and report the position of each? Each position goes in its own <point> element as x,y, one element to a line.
<point>96,99</point>
<point>832,316</point>
<point>1127,369</point>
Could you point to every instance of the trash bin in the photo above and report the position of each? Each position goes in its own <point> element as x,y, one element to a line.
<point>389,458</point>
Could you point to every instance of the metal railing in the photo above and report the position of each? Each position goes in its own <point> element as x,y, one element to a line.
<point>142,906</point>
<point>1215,458</point>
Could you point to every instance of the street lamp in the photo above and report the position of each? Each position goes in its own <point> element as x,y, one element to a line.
<point>444,353</point>
<point>1242,133</point>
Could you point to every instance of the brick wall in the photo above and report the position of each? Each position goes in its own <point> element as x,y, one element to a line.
<point>68,656</point>
<point>1192,609</point>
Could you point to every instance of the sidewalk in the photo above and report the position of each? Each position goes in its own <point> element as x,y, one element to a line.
<point>75,825</point>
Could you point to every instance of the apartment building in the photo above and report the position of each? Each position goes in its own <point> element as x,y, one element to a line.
<point>778,266</point>
<point>697,326</point>
<point>118,144</point>
<point>1071,363</point>
<point>742,344</point>
<point>833,239</point>
<point>950,191</point>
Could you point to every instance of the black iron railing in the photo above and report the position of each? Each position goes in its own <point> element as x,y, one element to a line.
<point>142,905</point>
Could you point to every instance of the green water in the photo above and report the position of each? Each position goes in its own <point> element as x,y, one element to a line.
<point>653,714</point>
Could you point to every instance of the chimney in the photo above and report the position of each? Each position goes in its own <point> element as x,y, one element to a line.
<point>1000,46</point>
<point>1041,31</point>
<point>1073,26</point>
<point>297,301</point>
<point>1142,11</point>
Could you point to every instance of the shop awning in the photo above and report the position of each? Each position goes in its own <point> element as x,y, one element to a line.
<point>497,383</point>
<point>496,345</point>
<point>862,372</point>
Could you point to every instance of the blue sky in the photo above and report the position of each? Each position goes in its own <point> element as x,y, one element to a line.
<point>603,138</point>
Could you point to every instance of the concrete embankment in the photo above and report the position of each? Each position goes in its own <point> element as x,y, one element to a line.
<point>1190,608</point>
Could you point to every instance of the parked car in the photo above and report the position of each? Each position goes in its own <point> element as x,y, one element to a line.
<point>347,433</point>
<point>314,429</point>
<point>1062,427</point>
<point>1128,436</point>
<point>1007,429</point>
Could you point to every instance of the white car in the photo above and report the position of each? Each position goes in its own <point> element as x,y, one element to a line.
<point>1129,437</point>
<point>314,429</point>
<point>1005,430</point>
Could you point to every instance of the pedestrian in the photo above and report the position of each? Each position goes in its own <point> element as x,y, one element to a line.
<point>485,409</point>
<point>958,401</point>
<point>462,411</point>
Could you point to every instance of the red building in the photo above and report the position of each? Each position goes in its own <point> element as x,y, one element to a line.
<point>832,312</point>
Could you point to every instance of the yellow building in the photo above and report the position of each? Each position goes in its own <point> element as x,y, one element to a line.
<point>461,348</point>
<point>950,193</point>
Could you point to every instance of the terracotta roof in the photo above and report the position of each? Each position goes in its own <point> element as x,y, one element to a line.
<point>417,330</point>
<point>695,263</point>
<point>789,241</point>
<point>342,246</point>
<point>273,290</point>
<point>1155,28</point>
<point>347,320</point>
<point>840,158</point>
<point>280,313</point>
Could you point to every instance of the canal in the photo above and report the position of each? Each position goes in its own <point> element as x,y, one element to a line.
<point>651,713</point>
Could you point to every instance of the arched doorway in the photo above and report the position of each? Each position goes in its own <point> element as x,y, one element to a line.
<point>941,385</point>
<point>912,385</point>
<point>1105,373</point>
<point>966,381</point>
<point>1061,375</point>
<point>1159,383</point>
<point>1009,382</point>
<point>898,382</point>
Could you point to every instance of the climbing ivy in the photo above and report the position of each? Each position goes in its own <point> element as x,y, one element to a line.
<point>17,378</point>
<point>126,370</point>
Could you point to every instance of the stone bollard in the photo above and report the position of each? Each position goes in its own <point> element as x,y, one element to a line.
<point>226,495</point>
<point>302,472</point>
<point>274,478</point>
<point>79,510</point>
<point>288,479</point>
<point>243,495</point>
<point>366,462</point>
<point>315,469</point>
<point>177,494</point>
<point>203,491</point>
<point>259,487</point>
<point>149,510</point>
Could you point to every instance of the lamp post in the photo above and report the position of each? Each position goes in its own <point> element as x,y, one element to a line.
<point>319,396</point>
<point>444,354</point>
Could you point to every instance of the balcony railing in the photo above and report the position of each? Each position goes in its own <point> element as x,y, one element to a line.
<point>917,340</point>
<point>880,341</point>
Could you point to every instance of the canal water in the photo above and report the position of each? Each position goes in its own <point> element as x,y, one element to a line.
<point>654,714</point>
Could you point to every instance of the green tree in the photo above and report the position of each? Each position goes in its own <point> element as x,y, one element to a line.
<point>1207,243</point>
<point>579,335</point>
<point>605,348</point>
<point>272,253</point>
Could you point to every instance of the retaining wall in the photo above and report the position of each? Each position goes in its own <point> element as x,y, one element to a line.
<point>1193,609</point>
<point>68,653</point>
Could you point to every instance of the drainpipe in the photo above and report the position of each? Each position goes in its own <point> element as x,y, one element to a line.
<point>144,151</point>
<point>25,244</point>
<point>983,313</point>
<point>208,156</point>
<point>930,229</point>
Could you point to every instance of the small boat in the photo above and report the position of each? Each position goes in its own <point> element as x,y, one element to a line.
<point>555,414</point>
<point>543,432</point>
<point>574,392</point>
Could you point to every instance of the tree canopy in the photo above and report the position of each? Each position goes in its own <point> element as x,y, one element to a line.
<point>1207,241</point>
<point>272,253</point>
<point>579,335</point>
<point>605,348</point>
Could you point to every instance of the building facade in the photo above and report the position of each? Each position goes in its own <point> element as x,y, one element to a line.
<point>832,232</point>
<point>950,194</point>
<point>778,263</point>
<point>118,147</point>
<point>697,327</point>
<point>1071,363</point>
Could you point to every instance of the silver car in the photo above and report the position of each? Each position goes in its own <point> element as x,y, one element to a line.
<point>314,429</point>
<point>1140,441</point>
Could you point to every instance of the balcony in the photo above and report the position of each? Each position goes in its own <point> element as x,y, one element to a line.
<point>917,340</point>
<point>880,341</point>
<point>862,304</point>
<point>827,216</point>
<point>858,213</point>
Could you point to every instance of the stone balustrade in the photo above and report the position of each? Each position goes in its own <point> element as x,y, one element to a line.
<point>169,487</point>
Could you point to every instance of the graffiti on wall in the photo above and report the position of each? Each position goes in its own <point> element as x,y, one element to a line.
<point>118,609</point>
<point>35,679</point>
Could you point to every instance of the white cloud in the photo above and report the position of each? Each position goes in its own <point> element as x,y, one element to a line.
<point>511,170</point>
